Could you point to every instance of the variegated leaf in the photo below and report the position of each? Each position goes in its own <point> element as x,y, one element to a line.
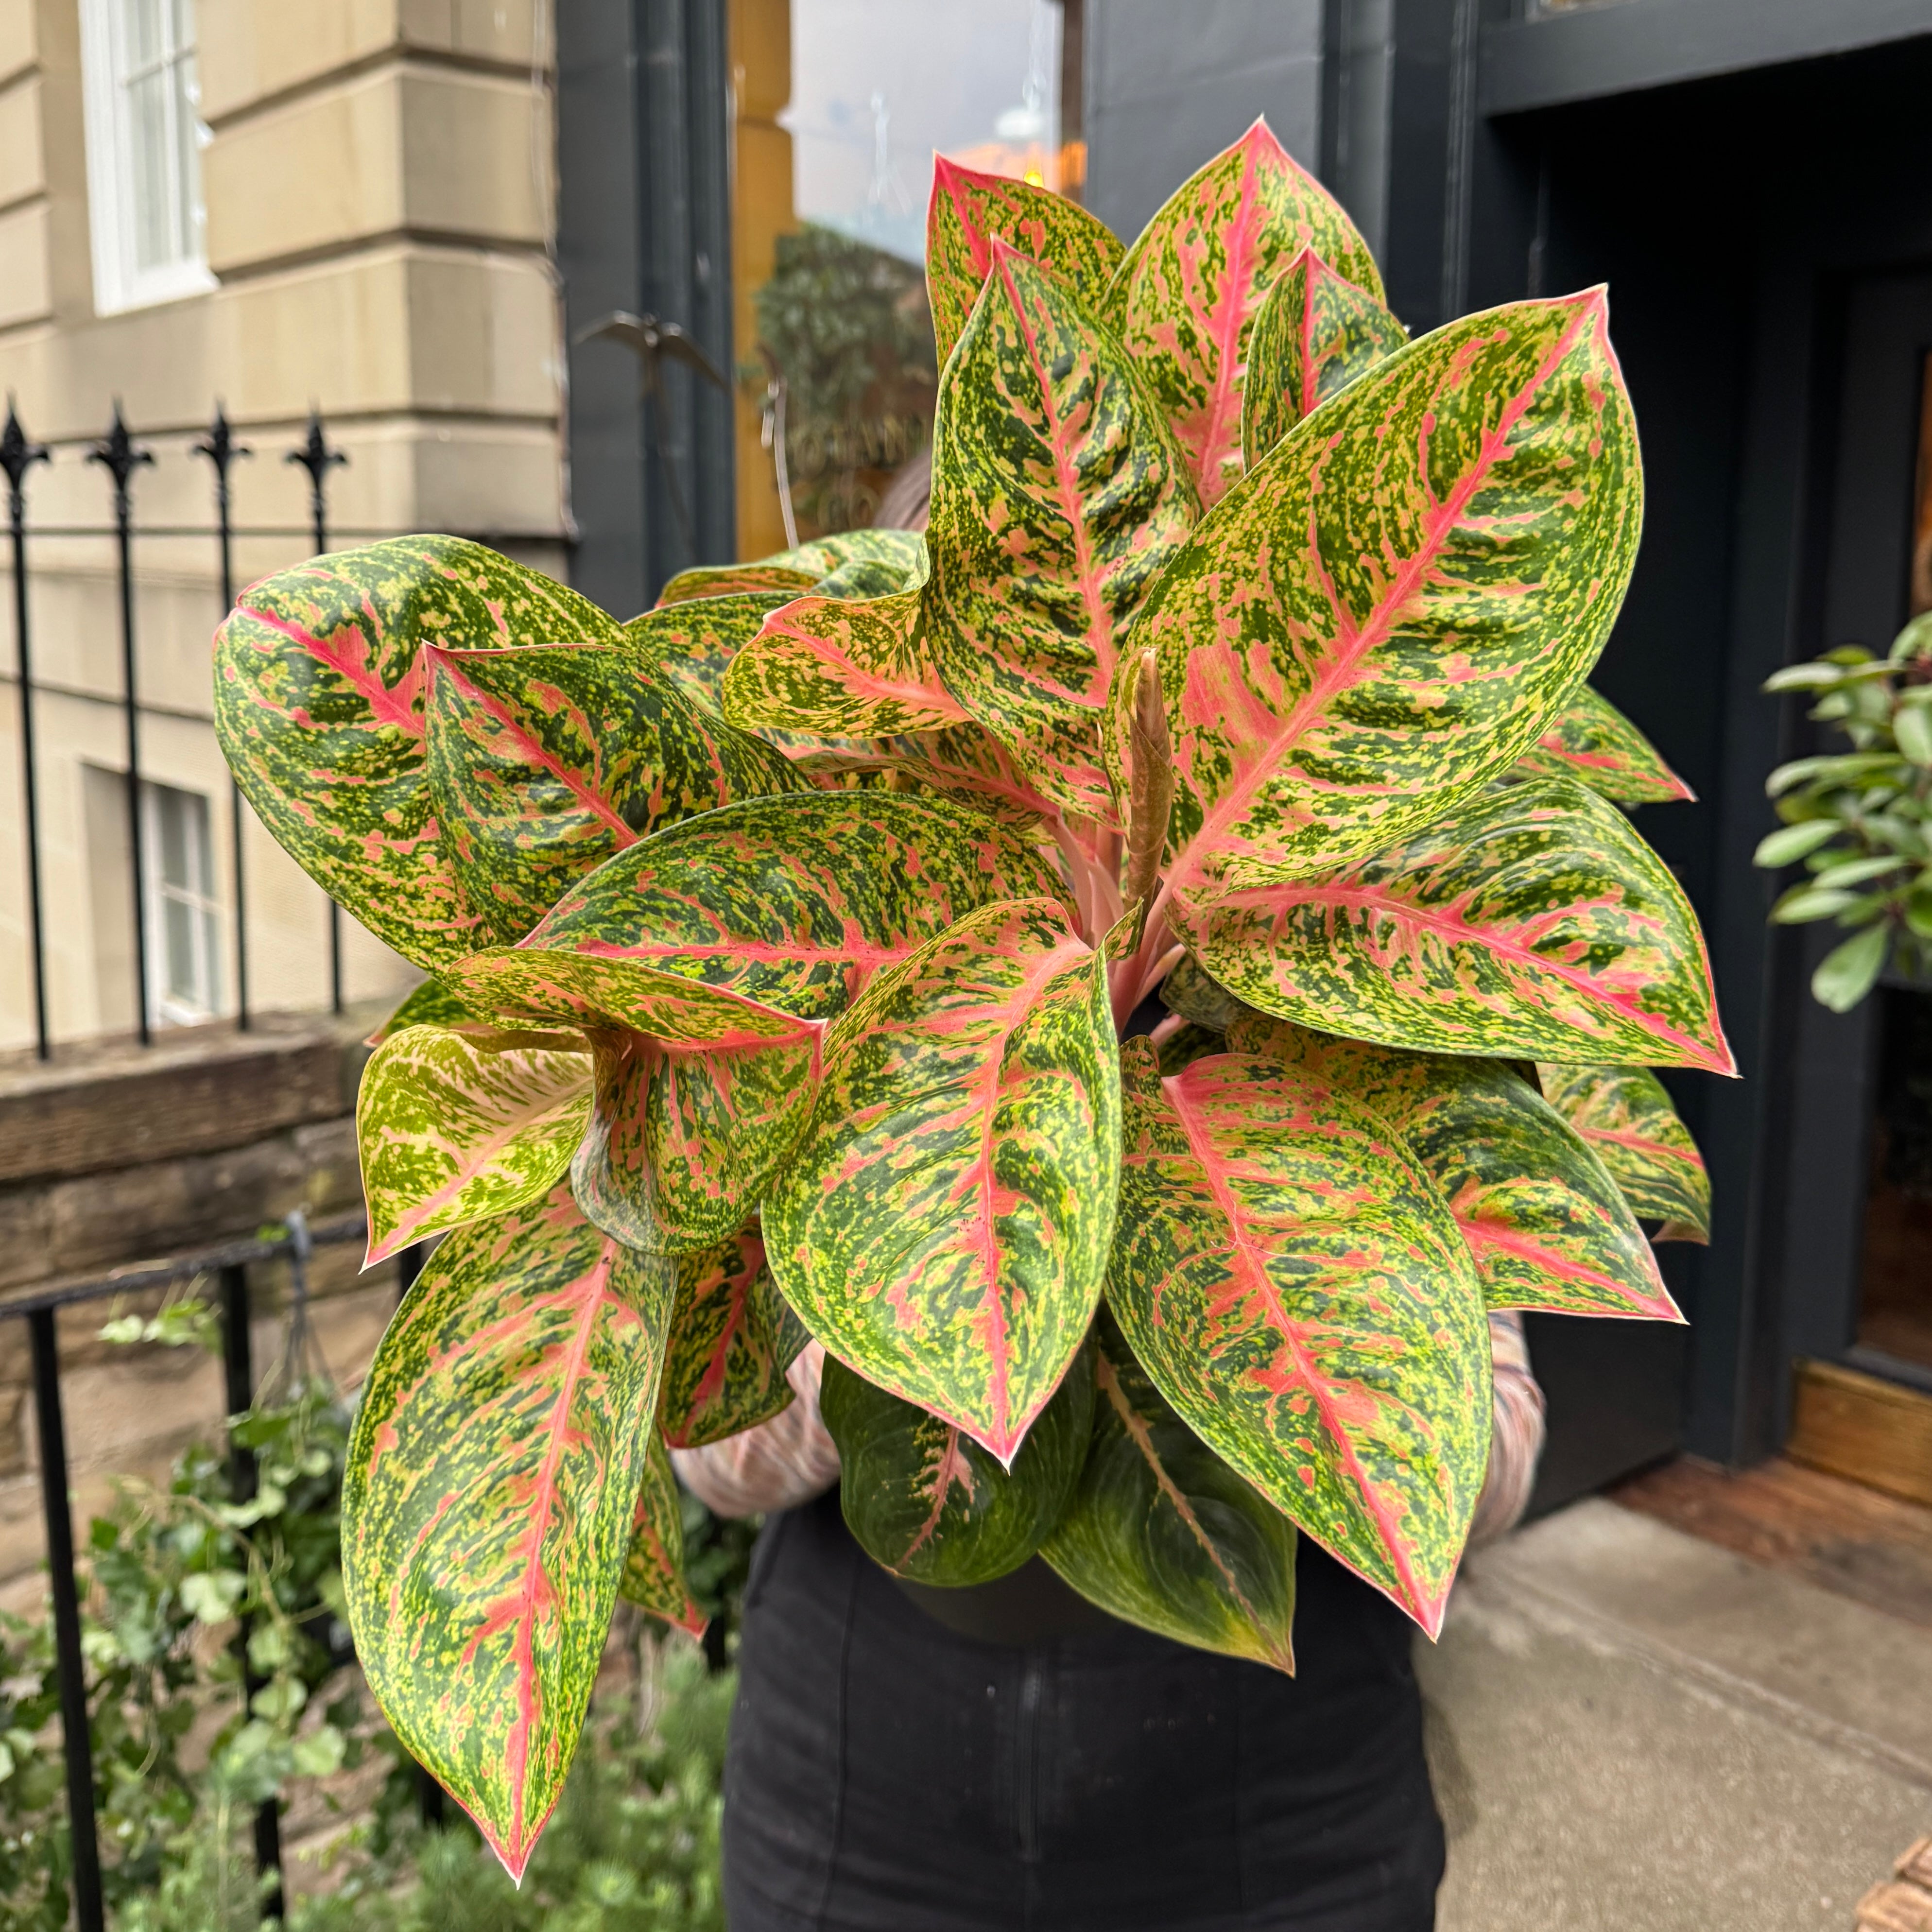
<point>432,1003</point>
<point>1186,1044</point>
<point>1382,617</point>
<point>682,1139</point>
<point>1289,1276</point>
<point>963,763</point>
<point>1163,1533</point>
<point>318,692</point>
<point>840,668</point>
<point>762,579</point>
<point>731,1342</point>
<point>1592,740</point>
<point>544,762</point>
<point>1058,497</point>
<point>690,644</point>
<point>854,552</point>
<point>492,1477</point>
<point>1626,1118</point>
<point>772,907</point>
<point>1315,333</point>
<point>1532,921</point>
<point>653,1576</point>
<point>1545,1222</point>
<point>928,1502</point>
<point>1189,990</point>
<point>453,1126</point>
<point>969,212</point>
<point>944,1226</point>
<point>1185,299</point>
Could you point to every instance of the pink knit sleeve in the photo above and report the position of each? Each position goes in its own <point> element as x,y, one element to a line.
<point>1516,1438</point>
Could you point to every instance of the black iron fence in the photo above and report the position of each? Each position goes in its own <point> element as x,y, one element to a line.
<point>122,455</point>
<point>229,1264</point>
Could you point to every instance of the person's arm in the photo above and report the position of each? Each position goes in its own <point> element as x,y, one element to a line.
<point>776,1465</point>
<point>1515,1437</point>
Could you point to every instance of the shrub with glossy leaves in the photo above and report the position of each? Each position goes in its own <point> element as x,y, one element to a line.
<point>784,941</point>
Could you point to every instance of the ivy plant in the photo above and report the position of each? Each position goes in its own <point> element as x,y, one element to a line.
<point>785,943</point>
<point>1861,820</point>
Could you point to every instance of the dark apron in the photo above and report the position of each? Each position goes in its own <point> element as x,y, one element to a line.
<point>1058,1769</point>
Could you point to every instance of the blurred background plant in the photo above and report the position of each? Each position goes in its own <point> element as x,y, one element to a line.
<point>221,1674</point>
<point>1858,820</point>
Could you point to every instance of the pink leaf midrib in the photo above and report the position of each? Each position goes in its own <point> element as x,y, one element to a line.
<point>385,706</point>
<point>1340,669</point>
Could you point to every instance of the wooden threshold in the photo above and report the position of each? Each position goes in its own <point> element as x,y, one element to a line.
<point>1837,1534</point>
<point>1857,1426</point>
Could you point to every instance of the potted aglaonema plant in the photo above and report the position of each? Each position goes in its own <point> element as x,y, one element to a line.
<point>781,942</point>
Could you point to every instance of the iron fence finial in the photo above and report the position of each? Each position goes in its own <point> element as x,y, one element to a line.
<point>219,446</point>
<point>118,454</point>
<point>17,455</point>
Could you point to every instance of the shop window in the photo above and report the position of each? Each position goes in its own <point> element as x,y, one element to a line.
<point>183,915</point>
<point>144,141</point>
<point>841,105</point>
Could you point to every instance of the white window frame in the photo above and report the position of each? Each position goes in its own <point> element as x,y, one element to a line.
<point>119,283</point>
<point>165,1007</point>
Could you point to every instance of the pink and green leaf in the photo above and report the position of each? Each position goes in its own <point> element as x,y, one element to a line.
<point>732,1340</point>
<point>690,645</point>
<point>1058,497</point>
<point>970,211</point>
<point>928,1503</point>
<point>320,687</point>
<point>1532,922</point>
<point>1291,1280</point>
<point>1185,298</point>
<point>1316,332</point>
<point>942,1226</point>
<point>1592,740</point>
<point>653,1576</point>
<point>1626,1120</point>
<point>1163,1533</point>
<point>454,1126</point>
<point>543,762</point>
<point>1384,616</point>
<point>1546,1224</point>
<point>492,1477</point>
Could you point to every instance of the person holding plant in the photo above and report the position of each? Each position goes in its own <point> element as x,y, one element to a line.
<point>909,1759</point>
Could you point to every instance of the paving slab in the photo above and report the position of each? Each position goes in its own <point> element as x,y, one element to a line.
<point>1632,1730</point>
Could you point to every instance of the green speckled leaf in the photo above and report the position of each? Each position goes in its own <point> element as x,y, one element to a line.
<point>840,668</point>
<point>1545,1222</point>
<point>1185,299</point>
<point>453,1126</point>
<point>492,1476</point>
<point>963,764</point>
<point>1191,992</point>
<point>432,1003</point>
<point>763,579</point>
<point>1533,921</point>
<point>928,1502</point>
<point>1186,1044</point>
<point>1163,1533</point>
<point>1384,614</point>
<point>543,762</point>
<point>1628,1121</point>
<point>944,1226</point>
<point>319,690</point>
<point>653,1576</point>
<point>1292,1281</point>
<point>731,1342</point>
<point>788,903</point>
<point>969,212</point>
<point>682,1139</point>
<point>1590,739</point>
<point>690,644</point>
<point>1316,332</point>
<point>1058,496</point>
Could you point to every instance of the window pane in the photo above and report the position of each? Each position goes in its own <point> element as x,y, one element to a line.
<point>181,20</point>
<point>148,143</point>
<point>187,159</point>
<point>140,34</point>
<point>171,821</point>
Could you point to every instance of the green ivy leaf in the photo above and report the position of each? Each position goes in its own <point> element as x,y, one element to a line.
<point>942,1227</point>
<point>1161,1533</point>
<point>1289,1276</point>
<point>492,1478</point>
<point>927,1502</point>
<point>1533,922</point>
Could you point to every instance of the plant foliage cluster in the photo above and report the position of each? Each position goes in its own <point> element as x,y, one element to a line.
<point>785,942</point>
<point>1861,820</point>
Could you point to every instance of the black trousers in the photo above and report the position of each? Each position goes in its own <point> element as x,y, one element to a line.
<point>886,1773</point>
